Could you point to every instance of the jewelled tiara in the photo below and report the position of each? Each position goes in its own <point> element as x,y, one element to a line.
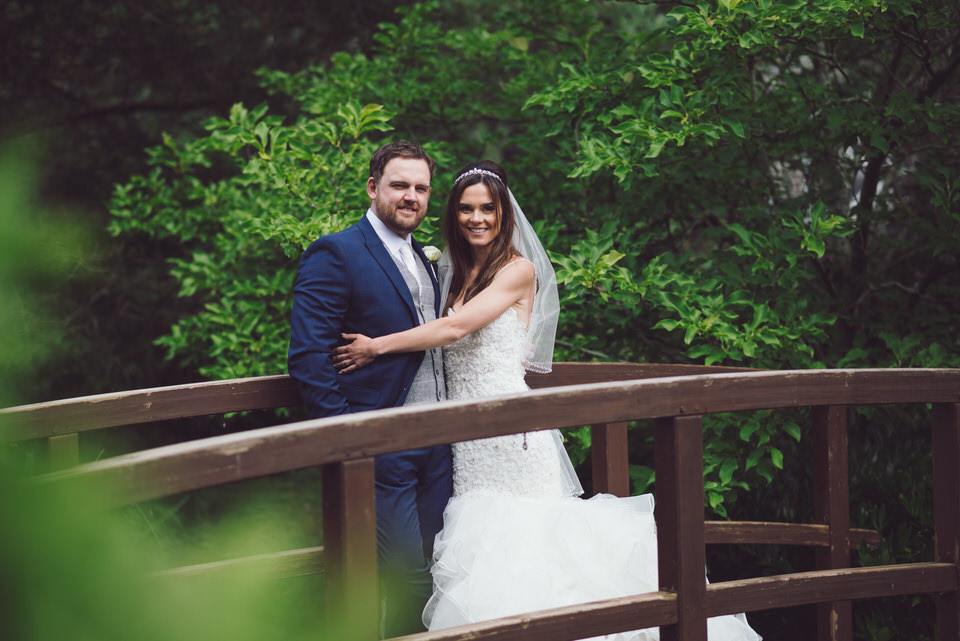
<point>476,172</point>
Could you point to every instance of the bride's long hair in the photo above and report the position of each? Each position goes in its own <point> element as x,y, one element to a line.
<point>461,256</point>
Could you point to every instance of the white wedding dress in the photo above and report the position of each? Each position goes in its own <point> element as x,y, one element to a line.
<point>514,537</point>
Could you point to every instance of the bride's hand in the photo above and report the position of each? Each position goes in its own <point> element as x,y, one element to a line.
<point>354,355</point>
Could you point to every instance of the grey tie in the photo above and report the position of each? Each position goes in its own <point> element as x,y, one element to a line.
<point>410,262</point>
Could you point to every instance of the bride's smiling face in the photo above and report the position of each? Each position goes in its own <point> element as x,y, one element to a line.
<point>477,216</point>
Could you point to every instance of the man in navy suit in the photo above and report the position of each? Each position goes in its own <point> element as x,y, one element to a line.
<point>373,278</point>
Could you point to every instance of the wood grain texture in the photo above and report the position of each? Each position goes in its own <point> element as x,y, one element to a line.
<point>198,399</point>
<point>305,561</point>
<point>567,623</point>
<point>147,405</point>
<point>946,509</point>
<point>233,457</point>
<point>350,538</point>
<point>134,407</point>
<point>804,588</point>
<point>730,597</point>
<point>831,507</point>
<point>764,532</point>
<point>609,460</point>
<point>344,446</point>
<point>681,555</point>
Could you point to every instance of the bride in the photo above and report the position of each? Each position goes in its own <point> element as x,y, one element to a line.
<point>516,536</point>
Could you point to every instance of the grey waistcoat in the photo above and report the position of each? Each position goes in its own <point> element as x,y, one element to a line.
<point>428,385</point>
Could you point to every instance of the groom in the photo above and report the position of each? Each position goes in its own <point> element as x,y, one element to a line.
<point>373,279</point>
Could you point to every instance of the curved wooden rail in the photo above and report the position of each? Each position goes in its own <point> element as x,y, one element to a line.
<point>72,415</point>
<point>290,563</point>
<point>345,445</point>
<point>660,608</point>
<point>254,453</point>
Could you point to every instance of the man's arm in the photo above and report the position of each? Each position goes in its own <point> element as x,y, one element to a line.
<point>321,296</point>
<point>514,285</point>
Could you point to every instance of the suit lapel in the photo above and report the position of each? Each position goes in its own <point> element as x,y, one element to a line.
<point>382,257</point>
<point>433,276</point>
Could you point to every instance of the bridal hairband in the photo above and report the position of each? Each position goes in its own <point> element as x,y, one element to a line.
<point>476,172</point>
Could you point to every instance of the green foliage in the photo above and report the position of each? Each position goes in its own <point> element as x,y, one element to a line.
<point>781,196</point>
<point>734,183</point>
<point>245,201</point>
<point>74,572</point>
<point>95,82</point>
<point>37,248</point>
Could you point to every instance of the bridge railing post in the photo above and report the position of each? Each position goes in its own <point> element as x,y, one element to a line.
<point>946,509</point>
<point>681,552</point>
<point>609,459</point>
<point>831,507</point>
<point>63,451</point>
<point>350,550</point>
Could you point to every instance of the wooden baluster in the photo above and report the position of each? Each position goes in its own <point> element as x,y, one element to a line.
<point>63,451</point>
<point>350,550</point>
<point>831,507</point>
<point>608,455</point>
<point>681,555</point>
<point>946,509</point>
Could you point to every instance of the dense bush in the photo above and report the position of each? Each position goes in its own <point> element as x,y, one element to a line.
<point>765,184</point>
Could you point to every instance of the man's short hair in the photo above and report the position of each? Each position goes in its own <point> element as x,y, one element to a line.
<point>398,149</point>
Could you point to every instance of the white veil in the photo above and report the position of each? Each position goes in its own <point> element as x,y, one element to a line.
<point>545,314</point>
<point>544,317</point>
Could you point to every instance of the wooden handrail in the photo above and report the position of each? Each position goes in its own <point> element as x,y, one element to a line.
<point>259,452</point>
<point>304,561</point>
<point>71,415</point>
<point>805,534</point>
<point>345,447</point>
<point>116,409</point>
<point>659,608</point>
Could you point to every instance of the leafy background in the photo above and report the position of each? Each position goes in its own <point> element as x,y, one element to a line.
<point>754,183</point>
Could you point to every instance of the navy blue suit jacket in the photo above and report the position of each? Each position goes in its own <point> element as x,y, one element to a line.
<point>347,282</point>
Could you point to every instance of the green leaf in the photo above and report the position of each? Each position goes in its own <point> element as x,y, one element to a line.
<point>816,245</point>
<point>727,469</point>
<point>655,147</point>
<point>748,429</point>
<point>776,457</point>
<point>668,324</point>
<point>793,430</point>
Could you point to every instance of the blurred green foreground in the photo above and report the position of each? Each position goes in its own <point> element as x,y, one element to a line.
<point>68,572</point>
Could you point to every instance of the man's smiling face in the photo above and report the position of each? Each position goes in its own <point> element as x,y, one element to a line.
<point>400,197</point>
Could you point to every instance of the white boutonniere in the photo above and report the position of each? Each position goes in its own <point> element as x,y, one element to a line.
<point>432,253</point>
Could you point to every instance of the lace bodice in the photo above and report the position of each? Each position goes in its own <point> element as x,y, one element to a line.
<point>488,362</point>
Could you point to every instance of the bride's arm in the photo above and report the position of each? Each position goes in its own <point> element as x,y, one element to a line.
<point>511,285</point>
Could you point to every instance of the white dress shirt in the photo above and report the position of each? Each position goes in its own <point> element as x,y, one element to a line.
<point>396,244</point>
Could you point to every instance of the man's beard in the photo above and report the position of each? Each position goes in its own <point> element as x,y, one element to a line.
<point>388,213</point>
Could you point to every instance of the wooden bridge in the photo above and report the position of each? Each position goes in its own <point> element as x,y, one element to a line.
<point>604,396</point>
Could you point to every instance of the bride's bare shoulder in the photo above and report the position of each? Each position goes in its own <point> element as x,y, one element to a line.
<point>518,268</point>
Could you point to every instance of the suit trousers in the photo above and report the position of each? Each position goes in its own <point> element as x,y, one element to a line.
<point>412,489</point>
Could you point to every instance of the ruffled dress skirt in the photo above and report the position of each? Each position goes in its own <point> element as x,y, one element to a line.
<point>515,537</point>
<point>504,555</point>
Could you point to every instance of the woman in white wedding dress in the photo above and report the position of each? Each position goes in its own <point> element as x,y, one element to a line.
<point>516,536</point>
